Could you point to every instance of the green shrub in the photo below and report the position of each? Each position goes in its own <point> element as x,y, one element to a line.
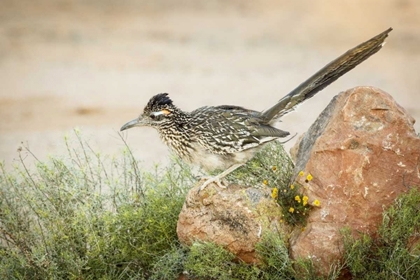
<point>207,260</point>
<point>393,254</point>
<point>271,167</point>
<point>171,264</point>
<point>87,216</point>
<point>274,257</point>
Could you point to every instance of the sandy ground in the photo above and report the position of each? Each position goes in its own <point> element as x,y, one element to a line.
<point>94,64</point>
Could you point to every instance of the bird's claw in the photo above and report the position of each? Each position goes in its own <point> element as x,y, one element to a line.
<point>210,180</point>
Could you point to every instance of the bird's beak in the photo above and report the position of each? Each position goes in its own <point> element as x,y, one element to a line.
<point>133,123</point>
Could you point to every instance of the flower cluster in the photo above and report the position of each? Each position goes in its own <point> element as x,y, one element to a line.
<point>295,205</point>
<point>308,178</point>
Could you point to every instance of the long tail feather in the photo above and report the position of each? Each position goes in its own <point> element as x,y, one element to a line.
<point>325,76</point>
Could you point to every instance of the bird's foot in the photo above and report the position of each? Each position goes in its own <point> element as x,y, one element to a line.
<point>210,180</point>
<point>219,177</point>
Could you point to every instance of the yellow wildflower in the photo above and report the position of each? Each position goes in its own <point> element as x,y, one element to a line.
<point>305,200</point>
<point>292,187</point>
<point>265,182</point>
<point>297,198</point>
<point>275,193</point>
<point>291,209</point>
<point>274,168</point>
<point>317,203</point>
<point>301,173</point>
<point>309,177</point>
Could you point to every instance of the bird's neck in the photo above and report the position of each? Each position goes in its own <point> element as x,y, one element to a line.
<point>177,134</point>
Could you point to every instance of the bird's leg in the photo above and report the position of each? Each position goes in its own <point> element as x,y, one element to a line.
<point>216,179</point>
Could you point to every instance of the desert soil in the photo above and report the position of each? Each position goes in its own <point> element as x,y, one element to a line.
<point>94,64</point>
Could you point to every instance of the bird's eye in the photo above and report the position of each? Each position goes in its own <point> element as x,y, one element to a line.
<point>156,116</point>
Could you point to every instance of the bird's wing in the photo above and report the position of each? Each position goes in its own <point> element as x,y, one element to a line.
<point>231,129</point>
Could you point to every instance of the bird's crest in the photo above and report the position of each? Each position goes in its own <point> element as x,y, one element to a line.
<point>159,100</point>
<point>160,104</point>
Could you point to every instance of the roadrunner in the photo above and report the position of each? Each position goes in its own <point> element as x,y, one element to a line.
<point>226,137</point>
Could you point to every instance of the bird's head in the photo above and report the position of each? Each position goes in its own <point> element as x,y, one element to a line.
<point>159,111</point>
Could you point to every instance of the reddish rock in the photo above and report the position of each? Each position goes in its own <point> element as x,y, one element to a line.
<point>235,218</point>
<point>362,153</point>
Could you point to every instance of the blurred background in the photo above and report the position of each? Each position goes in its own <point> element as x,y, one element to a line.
<point>95,64</point>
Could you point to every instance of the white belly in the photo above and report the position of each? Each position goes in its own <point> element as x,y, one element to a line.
<point>210,161</point>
